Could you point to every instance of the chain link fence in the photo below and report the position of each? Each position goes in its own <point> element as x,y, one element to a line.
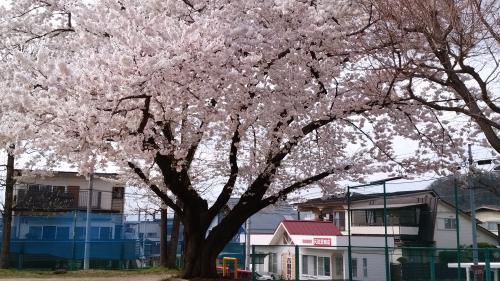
<point>285,262</point>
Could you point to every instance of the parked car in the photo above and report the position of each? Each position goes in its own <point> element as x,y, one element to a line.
<point>259,276</point>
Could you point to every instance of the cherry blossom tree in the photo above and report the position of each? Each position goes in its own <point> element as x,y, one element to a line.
<point>444,55</point>
<point>213,99</point>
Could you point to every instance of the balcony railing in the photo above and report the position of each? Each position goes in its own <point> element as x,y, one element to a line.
<point>47,200</point>
<point>391,230</point>
<point>44,200</point>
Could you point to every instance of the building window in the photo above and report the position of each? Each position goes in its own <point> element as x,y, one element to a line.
<point>62,233</point>
<point>354,266</point>
<point>492,226</point>
<point>94,233</point>
<point>371,219</point>
<point>80,233</point>
<point>34,233</point>
<point>118,192</point>
<point>365,267</point>
<point>339,266</point>
<point>305,265</point>
<point>339,220</point>
<point>309,265</point>
<point>33,187</point>
<point>324,266</point>
<point>49,232</point>
<point>105,233</point>
<point>273,263</point>
<point>450,223</point>
<point>289,268</point>
<point>96,199</point>
<point>287,240</point>
<point>118,232</point>
<point>46,187</point>
<point>58,189</point>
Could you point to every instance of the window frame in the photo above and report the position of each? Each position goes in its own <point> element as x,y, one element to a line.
<point>322,262</point>
<point>450,223</point>
<point>365,267</point>
<point>339,266</point>
<point>272,262</point>
<point>354,266</point>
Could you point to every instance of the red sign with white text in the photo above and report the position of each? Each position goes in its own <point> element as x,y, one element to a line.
<point>322,242</point>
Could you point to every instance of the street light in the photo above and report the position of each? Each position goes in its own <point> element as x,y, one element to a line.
<point>386,246</point>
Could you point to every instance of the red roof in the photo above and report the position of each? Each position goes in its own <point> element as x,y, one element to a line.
<point>326,228</point>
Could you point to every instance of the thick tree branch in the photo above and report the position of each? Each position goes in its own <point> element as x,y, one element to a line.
<point>480,14</point>
<point>260,185</point>
<point>477,117</point>
<point>177,181</point>
<point>138,171</point>
<point>482,85</point>
<point>295,186</point>
<point>52,33</point>
<point>227,190</point>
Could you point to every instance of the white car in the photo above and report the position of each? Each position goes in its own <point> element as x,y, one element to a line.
<point>259,276</point>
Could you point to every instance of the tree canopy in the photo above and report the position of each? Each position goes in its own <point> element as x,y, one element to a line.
<point>213,99</point>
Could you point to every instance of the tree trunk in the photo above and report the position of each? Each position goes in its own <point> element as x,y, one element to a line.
<point>199,261</point>
<point>174,240</point>
<point>201,251</point>
<point>7,212</point>
<point>163,238</point>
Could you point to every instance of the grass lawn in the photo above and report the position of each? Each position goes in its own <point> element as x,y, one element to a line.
<point>32,273</point>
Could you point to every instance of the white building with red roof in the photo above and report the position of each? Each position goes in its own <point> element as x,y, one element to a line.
<point>318,250</point>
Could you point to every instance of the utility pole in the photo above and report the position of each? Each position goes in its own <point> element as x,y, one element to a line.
<point>472,211</point>
<point>86,252</point>
<point>386,246</point>
<point>163,236</point>
<point>349,246</point>
<point>247,244</point>
<point>457,231</point>
<point>144,240</point>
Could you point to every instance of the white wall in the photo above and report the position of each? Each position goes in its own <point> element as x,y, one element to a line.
<point>375,265</point>
<point>446,238</point>
<point>365,241</point>
<point>375,262</point>
<point>488,215</point>
<point>259,239</point>
<point>490,219</point>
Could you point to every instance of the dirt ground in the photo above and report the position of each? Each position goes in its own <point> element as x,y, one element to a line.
<point>145,277</point>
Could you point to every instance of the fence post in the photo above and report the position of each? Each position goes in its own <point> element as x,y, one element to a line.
<point>297,265</point>
<point>253,262</point>
<point>432,262</point>
<point>122,254</point>
<point>457,232</point>
<point>73,249</point>
<point>20,257</point>
<point>487,264</point>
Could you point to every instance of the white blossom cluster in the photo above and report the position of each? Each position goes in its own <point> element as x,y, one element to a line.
<point>125,81</point>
